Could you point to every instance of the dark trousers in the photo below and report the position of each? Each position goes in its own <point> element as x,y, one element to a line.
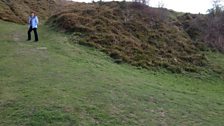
<point>35,33</point>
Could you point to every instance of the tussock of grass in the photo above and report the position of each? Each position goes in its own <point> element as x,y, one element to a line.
<point>131,33</point>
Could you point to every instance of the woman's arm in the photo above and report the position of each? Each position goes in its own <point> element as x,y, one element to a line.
<point>37,21</point>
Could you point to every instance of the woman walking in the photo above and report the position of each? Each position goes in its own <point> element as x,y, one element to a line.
<point>33,23</point>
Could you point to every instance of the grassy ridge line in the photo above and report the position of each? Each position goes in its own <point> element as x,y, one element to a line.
<point>74,85</point>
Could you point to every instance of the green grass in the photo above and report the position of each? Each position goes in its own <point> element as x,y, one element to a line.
<point>69,84</point>
<point>217,58</point>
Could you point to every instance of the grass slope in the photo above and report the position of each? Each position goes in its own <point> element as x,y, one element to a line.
<point>75,85</point>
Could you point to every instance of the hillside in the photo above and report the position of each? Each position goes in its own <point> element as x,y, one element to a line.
<point>133,33</point>
<point>128,32</point>
<point>109,64</point>
<point>57,83</point>
<point>18,10</point>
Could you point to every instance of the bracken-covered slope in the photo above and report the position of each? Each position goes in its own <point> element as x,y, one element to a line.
<point>18,10</point>
<point>132,33</point>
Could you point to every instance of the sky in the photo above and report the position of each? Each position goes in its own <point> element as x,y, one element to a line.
<point>192,6</point>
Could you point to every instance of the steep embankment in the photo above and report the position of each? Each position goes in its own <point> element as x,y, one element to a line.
<point>18,10</point>
<point>132,33</point>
